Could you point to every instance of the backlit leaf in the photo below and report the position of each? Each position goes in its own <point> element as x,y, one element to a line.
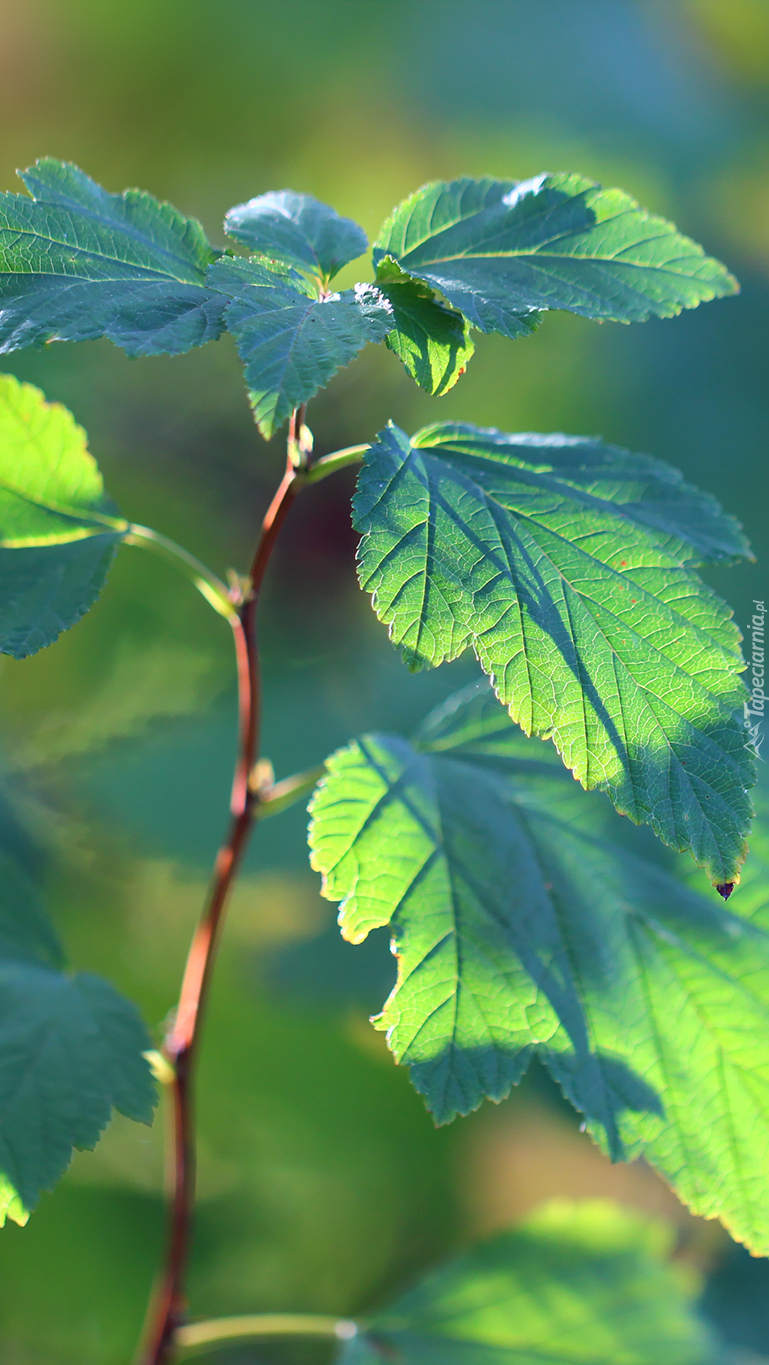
<point>298,231</point>
<point>523,924</point>
<point>498,249</point>
<point>432,340</point>
<point>575,1284</point>
<point>290,340</point>
<point>78,263</point>
<point>567,564</point>
<point>58,530</point>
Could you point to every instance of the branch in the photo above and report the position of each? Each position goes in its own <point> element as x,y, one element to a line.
<point>169,1303</point>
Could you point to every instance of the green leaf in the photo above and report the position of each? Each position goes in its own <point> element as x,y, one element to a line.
<point>524,923</point>
<point>298,231</point>
<point>575,1284</point>
<point>290,340</point>
<point>71,1050</point>
<point>58,530</point>
<point>498,249</point>
<point>78,263</point>
<point>567,565</point>
<point>432,340</point>
<point>70,1047</point>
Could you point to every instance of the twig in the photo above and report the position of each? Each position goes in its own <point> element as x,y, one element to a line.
<point>169,1302</point>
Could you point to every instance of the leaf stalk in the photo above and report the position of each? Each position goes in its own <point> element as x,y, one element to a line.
<point>197,1336</point>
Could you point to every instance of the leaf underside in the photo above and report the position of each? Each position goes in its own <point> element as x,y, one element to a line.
<point>78,263</point>
<point>498,250</point>
<point>290,340</point>
<point>298,231</point>
<point>71,1048</point>
<point>522,924</point>
<point>567,564</point>
<point>432,340</point>
<point>575,1284</point>
<point>58,530</point>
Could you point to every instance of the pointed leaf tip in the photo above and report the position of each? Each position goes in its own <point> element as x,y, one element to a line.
<point>497,250</point>
<point>569,566</point>
<point>77,262</point>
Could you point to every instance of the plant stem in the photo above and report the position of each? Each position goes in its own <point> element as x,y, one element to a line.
<point>206,582</point>
<point>180,1048</point>
<point>291,789</point>
<point>330,463</point>
<point>199,1335</point>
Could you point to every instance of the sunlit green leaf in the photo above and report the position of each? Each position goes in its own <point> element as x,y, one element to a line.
<point>77,263</point>
<point>290,340</point>
<point>575,1284</point>
<point>432,340</point>
<point>298,231</point>
<point>567,564</point>
<point>498,249</point>
<point>522,923</point>
<point>58,530</point>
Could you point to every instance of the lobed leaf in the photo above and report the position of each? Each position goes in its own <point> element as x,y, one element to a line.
<point>432,340</point>
<point>574,1284</point>
<point>58,530</point>
<point>297,231</point>
<point>522,924</point>
<point>71,1048</point>
<point>499,250</point>
<point>567,564</point>
<point>77,263</point>
<point>290,340</point>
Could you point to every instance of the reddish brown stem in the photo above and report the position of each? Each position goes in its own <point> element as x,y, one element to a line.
<point>168,1306</point>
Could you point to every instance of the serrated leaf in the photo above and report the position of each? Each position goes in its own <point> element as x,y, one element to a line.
<point>298,231</point>
<point>290,340</point>
<point>58,530</point>
<point>567,564</point>
<point>432,340</point>
<point>575,1284</point>
<point>498,249</point>
<point>71,1050</point>
<point>77,262</point>
<point>523,924</point>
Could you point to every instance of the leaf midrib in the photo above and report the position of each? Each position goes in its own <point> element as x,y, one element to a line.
<point>148,271</point>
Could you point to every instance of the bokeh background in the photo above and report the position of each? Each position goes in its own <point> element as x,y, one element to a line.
<point>324,1185</point>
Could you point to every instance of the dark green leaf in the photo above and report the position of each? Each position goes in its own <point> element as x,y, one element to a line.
<point>497,250</point>
<point>575,1284</point>
<point>432,340</point>
<point>58,530</point>
<point>77,263</point>
<point>70,1047</point>
<point>290,340</point>
<point>70,1050</point>
<point>298,231</point>
<point>522,923</point>
<point>567,565</point>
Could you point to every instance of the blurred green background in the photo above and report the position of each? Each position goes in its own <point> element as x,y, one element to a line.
<point>324,1185</point>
